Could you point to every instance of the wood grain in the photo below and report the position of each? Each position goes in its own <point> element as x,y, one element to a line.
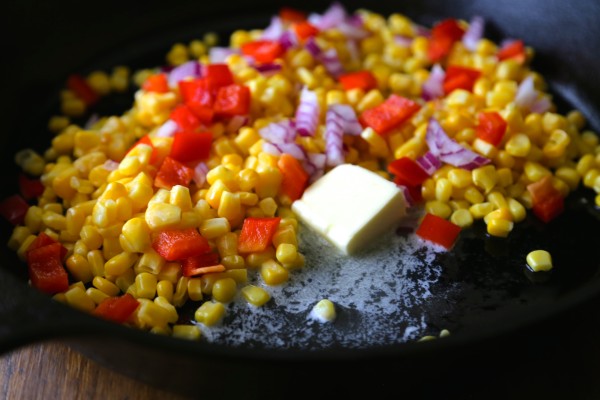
<point>51,370</point>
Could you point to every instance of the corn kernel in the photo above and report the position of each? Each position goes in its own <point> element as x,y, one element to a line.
<point>255,295</point>
<point>539,260</point>
<point>210,313</point>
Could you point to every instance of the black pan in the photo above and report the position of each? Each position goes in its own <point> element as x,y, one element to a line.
<point>496,311</point>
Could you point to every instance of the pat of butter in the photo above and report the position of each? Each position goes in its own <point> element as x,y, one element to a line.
<point>351,206</point>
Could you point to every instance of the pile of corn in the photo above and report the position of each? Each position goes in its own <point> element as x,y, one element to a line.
<point>106,218</point>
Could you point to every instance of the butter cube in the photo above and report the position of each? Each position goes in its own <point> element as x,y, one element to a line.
<point>351,206</point>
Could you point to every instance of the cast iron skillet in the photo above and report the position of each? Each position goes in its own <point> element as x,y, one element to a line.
<point>501,314</point>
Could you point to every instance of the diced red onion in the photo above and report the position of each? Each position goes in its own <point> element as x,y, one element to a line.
<point>190,69</point>
<point>332,17</point>
<point>167,129</point>
<point>541,105</point>
<point>421,30</point>
<point>433,87</point>
<point>279,132</point>
<point>345,117</point>
<point>288,39</point>
<point>314,165</point>
<point>429,163</point>
<point>352,31</point>
<point>334,139</point>
<point>219,54</point>
<point>448,150</point>
<point>529,98</point>
<point>274,30</point>
<point>307,113</point>
<point>268,68</point>
<point>236,122</point>
<point>408,199</point>
<point>110,165</point>
<point>312,47</point>
<point>200,172</point>
<point>353,50</point>
<point>474,33</point>
<point>293,149</point>
<point>328,58</point>
<point>404,41</point>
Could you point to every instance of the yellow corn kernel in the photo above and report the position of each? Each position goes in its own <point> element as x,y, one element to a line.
<point>187,332</point>
<point>91,237</point>
<point>428,189</point>
<point>286,253</point>
<point>535,171</point>
<point>30,162</point>
<point>135,236</point>
<point>54,221</point>
<point>33,219</point>
<point>150,314</point>
<point>557,144</point>
<point>213,196</point>
<point>245,139</point>
<point>285,234</point>
<point>485,177</point>
<point>460,178</point>
<point>268,206</point>
<point>150,262</point>
<point>552,121</point>
<point>120,263</point>
<point>539,260</point>
<point>96,295</point>
<point>126,281</point>
<point>517,211</point>
<point>224,290</point>
<point>95,260</point>
<point>439,208</point>
<point>499,213</point>
<point>171,311</point>
<point>111,247</point>
<point>505,177</point>
<point>443,190</point>
<point>79,267</point>
<point>210,313</point>
<point>324,310</point>
<point>247,179</point>
<point>170,272</point>
<point>233,262</point>
<point>105,286</point>
<point>255,295</point>
<point>268,183</point>
<point>230,208</point>
<point>164,289</point>
<point>227,244</point>
<point>497,199</point>
<point>378,146</point>
<point>145,285</point>
<point>590,177</point>
<point>569,175</point>
<point>499,227</point>
<point>462,217</point>
<point>298,263</point>
<point>255,260</point>
<point>77,298</point>
<point>180,295</point>
<point>194,289</point>
<point>214,227</point>
<point>162,215</point>
<point>411,148</point>
<point>273,273</point>
<point>480,210</point>
<point>248,198</point>
<point>18,236</point>
<point>518,145</point>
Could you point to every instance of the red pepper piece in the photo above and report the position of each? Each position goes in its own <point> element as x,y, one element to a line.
<point>438,230</point>
<point>289,14</point>
<point>156,83</point>
<point>179,244</point>
<point>458,77</point>
<point>232,100</point>
<point>117,309</point>
<point>30,188</point>
<point>294,177</point>
<point>263,51</point>
<point>304,30</point>
<point>547,201</point>
<point>45,268</point>
<point>491,127</point>
<point>185,118</point>
<point>44,239</point>
<point>191,146</point>
<point>443,36</point>
<point>171,173</point>
<point>217,75</point>
<point>514,50</point>
<point>190,265</point>
<point>13,209</point>
<point>358,80</point>
<point>257,234</point>
<point>408,172</point>
<point>198,97</point>
<point>390,114</point>
<point>78,85</point>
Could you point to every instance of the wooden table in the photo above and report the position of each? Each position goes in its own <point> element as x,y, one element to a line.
<point>51,370</point>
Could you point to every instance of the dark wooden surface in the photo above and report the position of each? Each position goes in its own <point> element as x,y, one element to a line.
<point>52,370</point>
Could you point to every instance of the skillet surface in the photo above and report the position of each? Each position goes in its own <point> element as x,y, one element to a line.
<point>479,289</point>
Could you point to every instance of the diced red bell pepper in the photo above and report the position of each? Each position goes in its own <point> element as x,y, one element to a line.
<point>46,270</point>
<point>30,188</point>
<point>294,177</point>
<point>179,244</point>
<point>191,146</point>
<point>408,172</point>
<point>438,230</point>
<point>491,127</point>
<point>304,30</point>
<point>443,36</point>
<point>217,76</point>
<point>358,80</point>
<point>13,209</point>
<point>117,309</point>
<point>171,173</point>
<point>390,114</point>
<point>514,50</point>
<point>185,118</point>
<point>78,85</point>
<point>263,51</point>
<point>44,239</point>
<point>547,201</point>
<point>157,83</point>
<point>198,97</point>
<point>146,140</point>
<point>190,265</point>
<point>232,100</point>
<point>257,234</point>
<point>289,14</point>
<point>459,77</point>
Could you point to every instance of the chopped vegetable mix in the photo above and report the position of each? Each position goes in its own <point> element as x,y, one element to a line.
<point>187,196</point>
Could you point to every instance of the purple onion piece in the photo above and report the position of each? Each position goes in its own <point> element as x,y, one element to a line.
<point>433,87</point>
<point>429,163</point>
<point>268,68</point>
<point>474,33</point>
<point>408,199</point>
<point>190,69</point>
<point>541,105</point>
<point>220,54</point>
<point>236,122</point>
<point>404,41</point>
<point>110,165</point>
<point>307,113</point>
<point>167,129</point>
<point>279,132</point>
<point>345,117</point>
<point>274,30</point>
<point>332,17</point>
<point>200,172</point>
<point>288,39</point>
<point>314,165</point>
